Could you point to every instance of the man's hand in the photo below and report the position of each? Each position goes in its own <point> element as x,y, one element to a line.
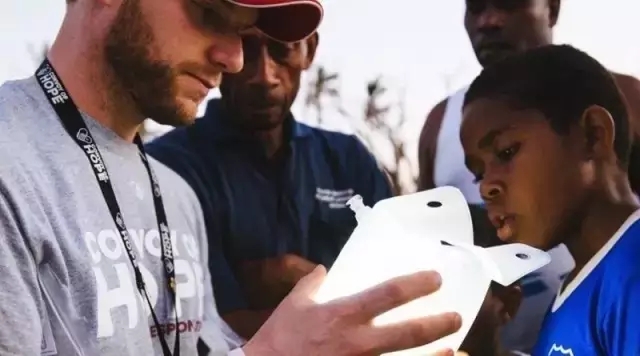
<point>343,327</point>
<point>266,282</point>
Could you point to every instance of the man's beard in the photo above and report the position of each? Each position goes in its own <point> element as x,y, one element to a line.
<point>148,84</point>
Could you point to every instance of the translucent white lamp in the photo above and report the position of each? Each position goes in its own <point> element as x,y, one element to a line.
<point>403,235</point>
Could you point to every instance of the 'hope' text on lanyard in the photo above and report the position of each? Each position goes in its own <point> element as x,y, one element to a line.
<point>74,124</point>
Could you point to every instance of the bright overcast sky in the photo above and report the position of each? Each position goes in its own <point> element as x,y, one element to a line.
<point>415,44</point>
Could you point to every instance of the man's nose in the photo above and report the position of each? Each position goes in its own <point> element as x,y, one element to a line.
<point>263,70</point>
<point>490,17</point>
<point>226,53</point>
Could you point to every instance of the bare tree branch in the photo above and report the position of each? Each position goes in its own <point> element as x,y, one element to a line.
<point>380,123</point>
<point>321,87</point>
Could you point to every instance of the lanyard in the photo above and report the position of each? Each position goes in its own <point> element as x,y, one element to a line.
<point>74,124</point>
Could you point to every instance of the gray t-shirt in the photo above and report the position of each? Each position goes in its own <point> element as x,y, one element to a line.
<point>67,285</point>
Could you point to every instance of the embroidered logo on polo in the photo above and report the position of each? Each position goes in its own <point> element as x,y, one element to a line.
<point>336,199</point>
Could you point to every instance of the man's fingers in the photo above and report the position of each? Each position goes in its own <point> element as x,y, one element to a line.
<point>391,294</point>
<point>309,284</point>
<point>412,333</point>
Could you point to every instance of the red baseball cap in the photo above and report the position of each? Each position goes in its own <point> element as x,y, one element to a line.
<point>286,20</point>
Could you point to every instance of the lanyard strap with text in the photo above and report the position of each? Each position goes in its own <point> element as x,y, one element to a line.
<point>76,127</point>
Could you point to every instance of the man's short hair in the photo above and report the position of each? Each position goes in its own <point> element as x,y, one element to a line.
<point>561,82</point>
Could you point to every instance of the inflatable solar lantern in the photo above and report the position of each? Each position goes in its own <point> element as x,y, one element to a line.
<point>430,230</point>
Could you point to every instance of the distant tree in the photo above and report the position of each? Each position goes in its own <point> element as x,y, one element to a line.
<point>378,118</point>
<point>322,87</point>
<point>379,125</point>
<point>375,113</point>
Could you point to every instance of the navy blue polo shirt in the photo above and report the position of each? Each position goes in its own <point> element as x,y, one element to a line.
<point>254,209</point>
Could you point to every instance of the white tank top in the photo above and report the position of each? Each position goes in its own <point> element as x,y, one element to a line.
<point>449,168</point>
<point>539,288</point>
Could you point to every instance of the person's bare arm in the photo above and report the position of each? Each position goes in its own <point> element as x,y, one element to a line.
<point>427,145</point>
<point>265,283</point>
<point>630,88</point>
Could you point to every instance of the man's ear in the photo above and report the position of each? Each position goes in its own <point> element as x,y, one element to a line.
<point>312,45</point>
<point>598,130</point>
<point>511,298</point>
<point>554,12</point>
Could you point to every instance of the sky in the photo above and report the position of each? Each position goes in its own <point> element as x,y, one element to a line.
<point>418,47</point>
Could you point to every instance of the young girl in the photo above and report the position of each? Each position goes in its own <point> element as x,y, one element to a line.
<point>547,135</point>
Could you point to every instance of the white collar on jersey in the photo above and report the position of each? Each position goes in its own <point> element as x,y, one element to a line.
<point>563,295</point>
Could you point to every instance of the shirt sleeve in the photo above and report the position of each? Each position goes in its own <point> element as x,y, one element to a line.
<point>621,329</point>
<point>21,331</point>
<point>226,288</point>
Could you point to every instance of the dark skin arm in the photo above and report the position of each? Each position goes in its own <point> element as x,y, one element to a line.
<point>427,145</point>
<point>630,88</point>
<point>246,322</point>
<point>265,282</point>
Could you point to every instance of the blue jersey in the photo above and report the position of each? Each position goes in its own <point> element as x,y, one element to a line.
<point>599,311</point>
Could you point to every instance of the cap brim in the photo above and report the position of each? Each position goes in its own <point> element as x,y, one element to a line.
<point>286,20</point>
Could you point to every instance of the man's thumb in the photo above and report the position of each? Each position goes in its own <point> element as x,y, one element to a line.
<point>309,284</point>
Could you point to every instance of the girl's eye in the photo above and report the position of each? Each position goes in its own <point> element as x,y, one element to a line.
<point>507,154</point>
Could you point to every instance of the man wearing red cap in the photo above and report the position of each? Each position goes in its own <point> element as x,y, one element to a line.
<point>273,190</point>
<point>103,249</point>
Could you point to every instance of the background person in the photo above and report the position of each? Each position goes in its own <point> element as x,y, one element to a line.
<point>273,190</point>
